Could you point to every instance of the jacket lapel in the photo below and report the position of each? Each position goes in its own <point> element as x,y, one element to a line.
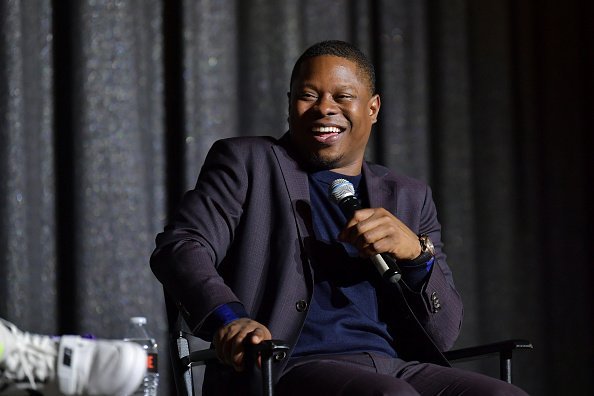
<point>381,191</point>
<point>297,186</point>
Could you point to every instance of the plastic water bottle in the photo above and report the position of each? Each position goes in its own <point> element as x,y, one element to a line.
<point>138,333</point>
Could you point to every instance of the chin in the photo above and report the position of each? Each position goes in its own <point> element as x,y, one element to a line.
<point>315,161</point>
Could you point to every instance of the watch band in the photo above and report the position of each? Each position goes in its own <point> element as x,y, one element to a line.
<point>422,259</point>
<point>427,252</point>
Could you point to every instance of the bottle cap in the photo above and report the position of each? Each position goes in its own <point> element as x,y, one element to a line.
<point>138,320</point>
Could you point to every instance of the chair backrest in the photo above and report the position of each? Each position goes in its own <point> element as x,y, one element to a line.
<point>188,377</point>
<point>188,371</point>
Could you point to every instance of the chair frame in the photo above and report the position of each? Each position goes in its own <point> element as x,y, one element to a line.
<point>276,350</point>
<point>503,349</point>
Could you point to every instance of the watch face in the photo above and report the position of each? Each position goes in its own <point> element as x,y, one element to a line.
<point>427,245</point>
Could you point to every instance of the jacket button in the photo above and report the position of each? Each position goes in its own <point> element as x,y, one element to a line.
<point>301,305</point>
<point>435,303</point>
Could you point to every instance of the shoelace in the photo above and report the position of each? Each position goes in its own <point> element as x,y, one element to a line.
<point>32,356</point>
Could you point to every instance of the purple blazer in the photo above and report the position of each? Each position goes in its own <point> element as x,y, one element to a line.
<point>241,235</point>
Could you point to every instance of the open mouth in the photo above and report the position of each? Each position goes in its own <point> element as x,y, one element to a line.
<point>326,134</point>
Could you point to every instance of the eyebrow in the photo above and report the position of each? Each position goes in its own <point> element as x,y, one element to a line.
<point>339,88</point>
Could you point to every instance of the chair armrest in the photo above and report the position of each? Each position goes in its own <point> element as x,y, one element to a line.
<point>480,351</point>
<point>276,349</point>
<point>267,350</point>
<point>503,348</point>
<point>197,358</point>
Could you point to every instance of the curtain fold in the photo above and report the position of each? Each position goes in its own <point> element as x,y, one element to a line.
<point>108,108</point>
<point>27,231</point>
<point>118,161</point>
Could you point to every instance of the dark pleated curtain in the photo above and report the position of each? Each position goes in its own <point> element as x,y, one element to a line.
<point>107,110</point>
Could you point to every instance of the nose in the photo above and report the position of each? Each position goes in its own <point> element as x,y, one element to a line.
<point>326,105</point>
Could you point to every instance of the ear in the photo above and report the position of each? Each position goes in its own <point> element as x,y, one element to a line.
<point>374,105</point>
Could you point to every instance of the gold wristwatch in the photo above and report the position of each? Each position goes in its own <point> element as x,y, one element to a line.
<point>426,245</point>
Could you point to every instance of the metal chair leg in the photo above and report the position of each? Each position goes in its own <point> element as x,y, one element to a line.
<point>505,366</point>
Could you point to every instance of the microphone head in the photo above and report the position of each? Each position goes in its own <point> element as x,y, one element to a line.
<point>341,189</point>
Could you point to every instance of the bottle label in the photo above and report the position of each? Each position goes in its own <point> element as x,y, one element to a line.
<point>151,363</point>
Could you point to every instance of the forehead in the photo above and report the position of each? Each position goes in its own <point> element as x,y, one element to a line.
<point>332,68</point>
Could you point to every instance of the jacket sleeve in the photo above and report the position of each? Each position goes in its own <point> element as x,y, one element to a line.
<point>189,250</point>
<point>438,305</point>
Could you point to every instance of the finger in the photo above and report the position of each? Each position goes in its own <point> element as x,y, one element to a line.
<point>365,237</point>
<point>359,216</point>
<point>237,353</point>
<point>377,247</point>
<point>350,234</point>
<point>376,239</point>
<point>219,344</point>
<point>227,351</point>
<point>364,221</point>
<point>230,338</point>
<point>257,336</point>
<point>237,357</point>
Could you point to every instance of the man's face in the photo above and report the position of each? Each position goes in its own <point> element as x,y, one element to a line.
<point>331,111</point>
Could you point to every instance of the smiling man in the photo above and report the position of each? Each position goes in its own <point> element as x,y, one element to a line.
<point>259,250</point>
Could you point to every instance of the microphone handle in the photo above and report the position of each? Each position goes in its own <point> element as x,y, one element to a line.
<point>387,267</point>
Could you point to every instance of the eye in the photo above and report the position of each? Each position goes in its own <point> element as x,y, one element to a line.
<point>343,97</point>
<point>307,96</point>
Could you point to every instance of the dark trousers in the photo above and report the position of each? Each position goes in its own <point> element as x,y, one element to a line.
<point>367,374</point>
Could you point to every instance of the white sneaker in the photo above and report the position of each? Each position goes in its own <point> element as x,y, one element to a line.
<point>25,356</point>
<point>78,365</point>
<point>100,367</point>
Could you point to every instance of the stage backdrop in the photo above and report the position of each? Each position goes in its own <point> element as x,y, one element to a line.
<point>107,109</point>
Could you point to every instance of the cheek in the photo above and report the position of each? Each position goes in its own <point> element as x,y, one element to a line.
<point>300,108</point>
<point>356,118</point>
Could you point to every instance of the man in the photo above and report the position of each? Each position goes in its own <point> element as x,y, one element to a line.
<point>259,250</point>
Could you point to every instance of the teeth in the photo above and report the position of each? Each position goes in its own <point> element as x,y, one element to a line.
<point>329,129</point>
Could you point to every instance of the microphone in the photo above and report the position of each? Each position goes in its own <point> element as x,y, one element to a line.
<point>342,192</point>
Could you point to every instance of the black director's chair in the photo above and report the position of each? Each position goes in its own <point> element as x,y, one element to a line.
<point>187,359</point>
<point>190,354</point>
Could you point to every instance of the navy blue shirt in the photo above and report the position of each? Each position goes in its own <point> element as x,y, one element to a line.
<point>343,314</point>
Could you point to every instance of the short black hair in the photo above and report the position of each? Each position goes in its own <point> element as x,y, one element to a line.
<point>341,49</point>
